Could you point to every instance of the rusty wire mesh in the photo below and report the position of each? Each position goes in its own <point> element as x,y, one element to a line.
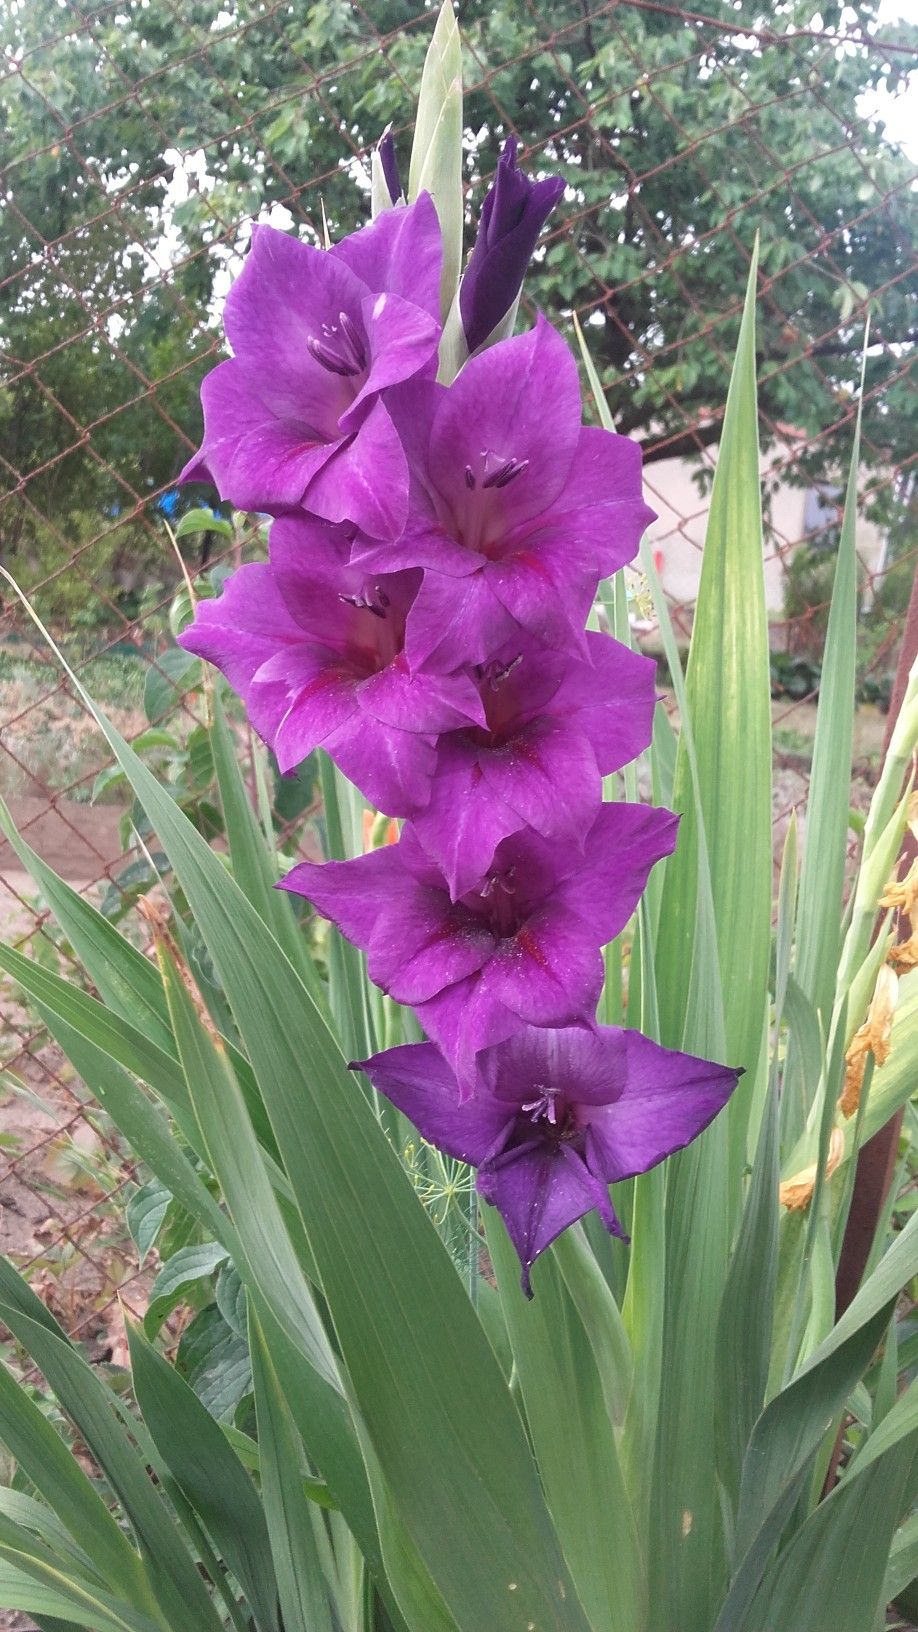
<point>141,141</point>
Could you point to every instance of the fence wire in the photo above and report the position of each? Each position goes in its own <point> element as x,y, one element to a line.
<point>142,139</point>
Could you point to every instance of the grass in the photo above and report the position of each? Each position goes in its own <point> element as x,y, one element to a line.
<point>114,677</point>
<point>789,741</point>
<point>47,740</point>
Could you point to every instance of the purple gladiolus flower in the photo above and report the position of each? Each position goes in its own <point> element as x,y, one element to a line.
<point>556,1117</point>
<point>517,510</point>
<point>432,565</point>
<point>522,947</point>
<point>512,216</point>
<point>315,649</point>
<point>555,726</point>
<point>297,417</point>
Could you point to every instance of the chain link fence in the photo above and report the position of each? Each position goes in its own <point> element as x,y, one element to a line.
<point>143,138</point>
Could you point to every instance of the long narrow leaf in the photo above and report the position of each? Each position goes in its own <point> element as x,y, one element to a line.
<point>902,1569</point>
<point>832,1573</point>
<point>400,1312</point>
<point>34,1515</point>
<point>796,1418</point>
<point>249,855</point>
<point>728,690</point>
<point>791,1427</point>
<point>686,1550</point>
<point>746,1322</point>
<point>42,1588</point>
<point>117,1037</point>
<point>53,1470</point>
<point>900,1421</point>
<point>137,1028</point>
<point>575,1447</point>
<point>173,1578</point>
<point>823,870</point>
<point>208,1473</point>
<point>126,980</point>
<point>347,985</point>
<point>268,1265</point>
<point>301,1588</point>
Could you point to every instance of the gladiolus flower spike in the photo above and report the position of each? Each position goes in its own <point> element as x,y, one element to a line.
<point>421,616</point>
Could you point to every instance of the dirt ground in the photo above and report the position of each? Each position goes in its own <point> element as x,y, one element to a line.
<point>42,1189</point>
<point>55,1170</point>
<point>77,840</point>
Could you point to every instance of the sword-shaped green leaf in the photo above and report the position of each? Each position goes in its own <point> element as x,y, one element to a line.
<point>822,874</point>
<point>249,855</point>
<point>410,1339</point>
<point>54,1471</point>
<point>728,695</point>
<point>832,1573</point>
<point>128,982</point>
<point>41,1586</point>
<point>789,1431</point>
<point>209,1474</point>
<point>574,1442</point>
<point>301,1589</point>
<point>174,1583</point>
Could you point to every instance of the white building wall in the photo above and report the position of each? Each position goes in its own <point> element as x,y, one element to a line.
<point>677,537</point>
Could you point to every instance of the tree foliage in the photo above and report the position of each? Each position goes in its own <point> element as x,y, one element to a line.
<point>678,138</point>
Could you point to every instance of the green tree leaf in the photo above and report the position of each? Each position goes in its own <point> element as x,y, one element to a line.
<point>184,1270</point>
<point>145,1214</point>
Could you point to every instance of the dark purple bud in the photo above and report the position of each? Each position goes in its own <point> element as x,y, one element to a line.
<point>512,216</point>
<point>385,147</point>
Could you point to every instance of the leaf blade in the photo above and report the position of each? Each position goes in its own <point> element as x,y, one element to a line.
<point>208,1472</point>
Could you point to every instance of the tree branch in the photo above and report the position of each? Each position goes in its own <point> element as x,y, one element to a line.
<point>680,447</point>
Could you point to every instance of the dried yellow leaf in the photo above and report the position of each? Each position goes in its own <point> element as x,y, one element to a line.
<point>902,893</point>
<point>873,1037</point>
<point>905,956</point>
<point>796,1193</point>
<point>167,947</point>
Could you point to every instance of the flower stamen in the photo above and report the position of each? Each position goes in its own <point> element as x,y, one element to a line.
<point>506,473</point>
<point>373,600</point>
<point>354,340</point>
<point>544,1108</point>
<point>342,350</point>
<point>330,360</point>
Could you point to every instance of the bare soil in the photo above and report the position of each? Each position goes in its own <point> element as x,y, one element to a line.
<point>57,1220</point>
<point>79,841</point>
<point>46,1162</point>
